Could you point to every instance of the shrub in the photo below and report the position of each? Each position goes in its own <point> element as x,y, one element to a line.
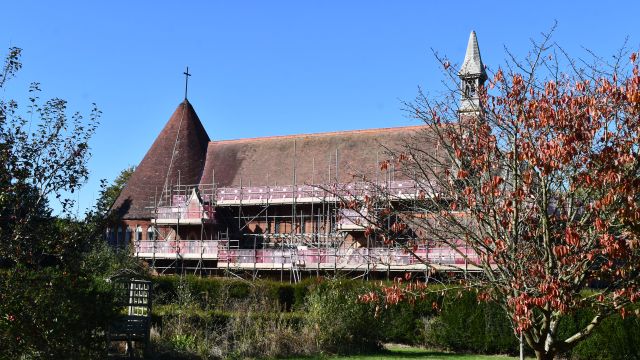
<point>53,314</point>
<point>401,324</point>
<point>466,325</point>
<point>615,338</point>
<point>253,326</point>
<point>260,323</point>
<point>338,322</point>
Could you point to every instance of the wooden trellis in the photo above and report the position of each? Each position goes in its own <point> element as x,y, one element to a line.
<point>132,328</point>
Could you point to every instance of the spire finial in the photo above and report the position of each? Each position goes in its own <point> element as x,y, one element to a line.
<point>186,82</point>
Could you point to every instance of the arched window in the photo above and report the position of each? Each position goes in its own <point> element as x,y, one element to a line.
<point>469,88</point>
<point>127,236</point>
<point>108,233</point>
<point>119,236</point>
<point>151,233</point>
<point>138,233</point>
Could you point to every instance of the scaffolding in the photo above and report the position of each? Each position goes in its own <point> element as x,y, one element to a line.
<point>290,230</point>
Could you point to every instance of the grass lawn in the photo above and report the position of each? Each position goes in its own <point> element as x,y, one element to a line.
<point>406,352</point>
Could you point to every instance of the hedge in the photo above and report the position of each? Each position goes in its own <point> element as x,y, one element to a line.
<point>462,325</point>
<point>213,319</point>
<point>614,338</point>
<point>465,325</point>
<point>210,292</point>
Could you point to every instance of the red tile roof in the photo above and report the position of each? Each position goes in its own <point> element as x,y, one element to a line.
<point>185,138</point>
<point>253,161</point>
<point>271,160</point>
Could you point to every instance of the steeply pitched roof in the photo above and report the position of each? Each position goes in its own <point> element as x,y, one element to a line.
<point>472,64</point>
<point>177,154</point>
<point>270,160</point>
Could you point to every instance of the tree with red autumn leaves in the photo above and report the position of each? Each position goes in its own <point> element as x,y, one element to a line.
<point>537,187</point>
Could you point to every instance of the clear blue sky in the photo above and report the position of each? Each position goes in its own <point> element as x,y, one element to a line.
<point>270,67</point>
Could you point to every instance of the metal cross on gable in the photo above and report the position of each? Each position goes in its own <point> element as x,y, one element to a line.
<point>186,82</point>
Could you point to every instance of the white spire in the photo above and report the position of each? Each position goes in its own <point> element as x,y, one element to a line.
<point>472,65</point>
<point>472,76</point>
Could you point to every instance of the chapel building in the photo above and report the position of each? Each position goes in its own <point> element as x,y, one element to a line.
<point>272,204</point>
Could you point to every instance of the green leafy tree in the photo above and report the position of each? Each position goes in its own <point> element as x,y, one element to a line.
<point>103,258</point>
<point>110,193</point>
<point>54,303</point>
<point>44,155</point>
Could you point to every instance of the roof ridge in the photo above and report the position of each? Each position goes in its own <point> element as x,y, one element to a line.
<point>291,136</point>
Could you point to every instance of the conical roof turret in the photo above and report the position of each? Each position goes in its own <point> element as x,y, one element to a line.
<point>177,156</point>
<point>472,65</point>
